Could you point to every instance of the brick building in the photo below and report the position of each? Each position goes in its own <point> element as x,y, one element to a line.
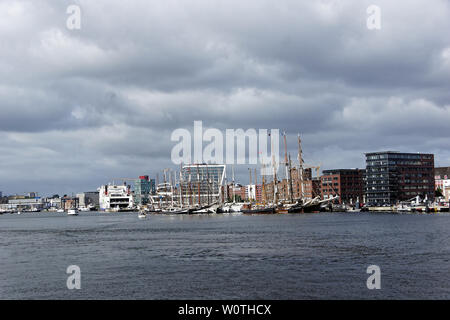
<point>348,184</point>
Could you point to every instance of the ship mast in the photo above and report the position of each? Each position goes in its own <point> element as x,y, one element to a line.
<point>232,173</point>
<point>290,181</point>
<point>190,187</point>
<point>250,185</point>
<point>264,194</point>
<point>209,182</point>
<point>256,185</point>
<point>181,186</point>
<point>275,191</point>
<point>300,165</point>
<point>198,187</point>
<point>287,168</point>
<point>172,184</point>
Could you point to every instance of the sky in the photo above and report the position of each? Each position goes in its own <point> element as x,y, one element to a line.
<point>82,107</point>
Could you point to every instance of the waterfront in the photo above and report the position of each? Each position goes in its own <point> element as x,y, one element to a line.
<point>302,256</point>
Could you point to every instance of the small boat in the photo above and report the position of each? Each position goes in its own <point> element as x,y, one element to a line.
<point>142,215</point>
<point>19,212</point>
<point>60,210</point>
<point>72,212</point>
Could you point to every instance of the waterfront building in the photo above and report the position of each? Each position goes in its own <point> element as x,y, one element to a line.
<point>348,184</point>
<point>304,185</point>
<point>54,203</point>
<point>90,198</point>
<point>253,193</point>
<point>115,196</point>
<point>68,202</point>
<point>442,181</point>
<point>202,183</point>
<point>239,193</point>
<point>312,188</point>
<point>143,188</point>
<point>393,176</point>
<point>26,202</point>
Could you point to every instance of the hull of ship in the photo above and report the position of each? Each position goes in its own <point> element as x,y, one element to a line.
<point>306,209</point>
<point>184,211</point>
<point>258,211</point>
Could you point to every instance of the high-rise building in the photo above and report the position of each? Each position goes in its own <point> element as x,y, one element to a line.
<point>143,188</point>
<point>393,176</point>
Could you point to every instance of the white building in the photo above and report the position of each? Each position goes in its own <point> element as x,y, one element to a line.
<point>442,181</point>
<point>26,203</point>
<point>115,197</point>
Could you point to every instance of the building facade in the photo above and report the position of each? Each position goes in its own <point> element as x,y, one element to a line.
<point>393,176</point>
<point>26,202</point>
<point>442,181</point>
<point>348,184</point>
<point>90,198</point>
<point>143,189</point>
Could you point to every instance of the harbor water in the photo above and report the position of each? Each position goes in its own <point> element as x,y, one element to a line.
<point>292,256</point>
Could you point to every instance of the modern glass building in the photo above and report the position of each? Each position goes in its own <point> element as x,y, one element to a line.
<point>143,188</point>
<point>202,183</point>
<point>393,176</point>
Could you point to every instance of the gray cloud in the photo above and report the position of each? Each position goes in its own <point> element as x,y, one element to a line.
<point>80,107</point>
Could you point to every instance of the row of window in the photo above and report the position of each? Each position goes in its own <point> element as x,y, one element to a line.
<point>416,187</point>
<point>399,156</point>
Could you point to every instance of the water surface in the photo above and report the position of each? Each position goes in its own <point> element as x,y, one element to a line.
<point>302,256</point>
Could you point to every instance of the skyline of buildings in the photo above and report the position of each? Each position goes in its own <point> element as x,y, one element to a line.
<point>389,177</point>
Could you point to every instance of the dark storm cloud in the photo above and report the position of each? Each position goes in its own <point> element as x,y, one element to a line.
<point>80,107</point>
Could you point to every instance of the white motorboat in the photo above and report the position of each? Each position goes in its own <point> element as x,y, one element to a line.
<point>60,210</point>
<point>72,212</point>
<point>142,215</point>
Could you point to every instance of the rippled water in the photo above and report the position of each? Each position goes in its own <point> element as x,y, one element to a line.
<point>303,256</point>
